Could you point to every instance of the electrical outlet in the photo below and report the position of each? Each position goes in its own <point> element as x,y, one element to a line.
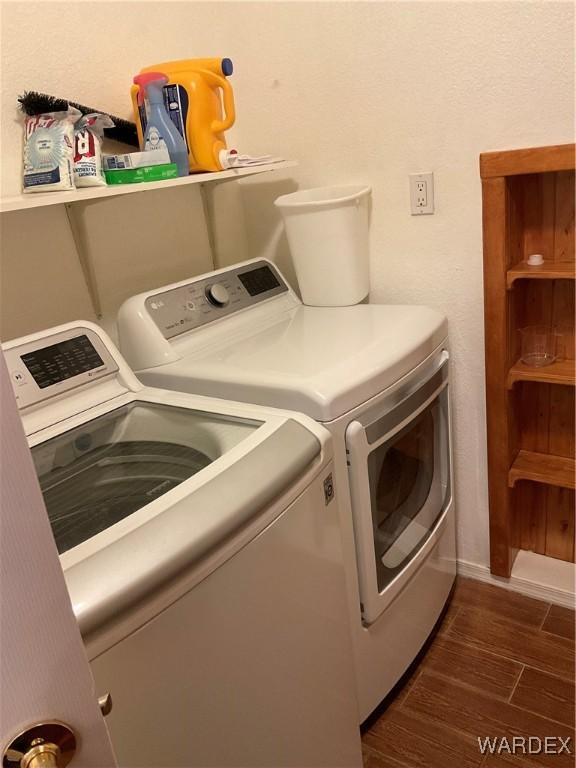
<point>421,193</point>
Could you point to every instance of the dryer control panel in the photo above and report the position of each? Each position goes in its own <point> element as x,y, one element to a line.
<point>205,299</point>
<point>56,363</point>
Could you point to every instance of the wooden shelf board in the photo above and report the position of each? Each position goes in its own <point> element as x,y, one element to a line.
<point>560,372</point>
<point>543,468</point>
<point>528,160</point>
<point>547,271</point>
<point>42,199</point>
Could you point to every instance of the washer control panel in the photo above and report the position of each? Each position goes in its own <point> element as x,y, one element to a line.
<point>205,299</point>
<point>48,366</point>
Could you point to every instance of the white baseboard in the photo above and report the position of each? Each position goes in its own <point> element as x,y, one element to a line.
<point>543,578</point>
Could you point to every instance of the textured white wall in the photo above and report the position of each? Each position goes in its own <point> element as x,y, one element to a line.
<point>356,91</point>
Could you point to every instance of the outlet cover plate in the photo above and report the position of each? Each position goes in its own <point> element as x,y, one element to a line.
<point>421,193</point>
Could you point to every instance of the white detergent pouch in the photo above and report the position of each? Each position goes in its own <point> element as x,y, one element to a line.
<point>88,135</point>
<point>49,151</point>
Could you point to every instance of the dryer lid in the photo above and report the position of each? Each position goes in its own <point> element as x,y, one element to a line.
<point>323,361</point>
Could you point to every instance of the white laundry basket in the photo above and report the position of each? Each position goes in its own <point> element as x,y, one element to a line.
<point>327,230</point>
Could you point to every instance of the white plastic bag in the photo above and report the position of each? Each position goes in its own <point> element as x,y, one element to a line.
<point>49,151</point>
<point>88,134</point>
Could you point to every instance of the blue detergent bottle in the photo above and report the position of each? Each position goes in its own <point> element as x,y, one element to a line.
<point>160,130</point>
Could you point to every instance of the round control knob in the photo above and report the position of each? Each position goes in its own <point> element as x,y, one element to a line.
<point>217,295</point>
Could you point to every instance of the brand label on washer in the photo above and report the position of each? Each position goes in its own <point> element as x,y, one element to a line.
<point>328,490</point>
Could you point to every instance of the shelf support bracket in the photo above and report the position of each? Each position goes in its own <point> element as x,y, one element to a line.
<point>210,228</point>
<point>84,259</point>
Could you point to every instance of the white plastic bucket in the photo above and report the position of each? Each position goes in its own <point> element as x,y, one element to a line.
<point>327,231</point>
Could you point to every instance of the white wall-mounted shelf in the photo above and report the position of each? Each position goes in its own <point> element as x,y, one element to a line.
<point>42,199</point>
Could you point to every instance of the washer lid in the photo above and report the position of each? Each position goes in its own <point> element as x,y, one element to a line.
<point>96,474</point>
<point>147,491</point>
<point>323,361</point>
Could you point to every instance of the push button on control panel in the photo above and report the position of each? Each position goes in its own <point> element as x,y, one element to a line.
<point>18,378</point>
<point>217,295</point>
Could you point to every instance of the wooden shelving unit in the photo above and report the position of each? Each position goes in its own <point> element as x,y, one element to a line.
<point>560,372</point>
<point>542,468</point>
<point>528,207</point>
<point>546,271</point>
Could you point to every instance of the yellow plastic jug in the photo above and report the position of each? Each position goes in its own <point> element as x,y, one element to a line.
<point>200,101</point>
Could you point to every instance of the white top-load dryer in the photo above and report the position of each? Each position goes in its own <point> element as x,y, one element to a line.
<point>377,378</point>
<point>202,551</point>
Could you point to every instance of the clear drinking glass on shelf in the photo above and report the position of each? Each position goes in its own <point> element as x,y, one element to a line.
<point>539,345</point>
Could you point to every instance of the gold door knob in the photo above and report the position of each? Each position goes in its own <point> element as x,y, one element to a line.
<point>41,755</point>
<point>44,745</point>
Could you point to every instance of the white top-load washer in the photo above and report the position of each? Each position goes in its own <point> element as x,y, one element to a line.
<point>202,551</point>
<point>377,377</point>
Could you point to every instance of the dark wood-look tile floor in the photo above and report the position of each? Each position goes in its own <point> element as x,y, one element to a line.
<point>500,665</point>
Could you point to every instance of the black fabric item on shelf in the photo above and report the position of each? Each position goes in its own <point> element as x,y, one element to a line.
<point>33,103</point>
